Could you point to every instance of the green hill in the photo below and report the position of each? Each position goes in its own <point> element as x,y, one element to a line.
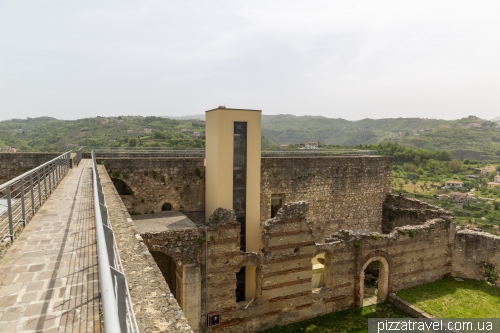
<point>50,134</point>
<point>469,137</point>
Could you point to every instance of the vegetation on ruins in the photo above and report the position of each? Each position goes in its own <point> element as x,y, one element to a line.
<point>450,298</point>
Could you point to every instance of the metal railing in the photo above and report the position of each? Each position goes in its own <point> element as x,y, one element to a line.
<point>117,306</point>
<point>316,152</point>
<point>20,197</point>
<point>200,152</point>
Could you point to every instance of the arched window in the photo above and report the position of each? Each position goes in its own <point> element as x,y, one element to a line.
<point>166,207</point>
<point>121,187</point>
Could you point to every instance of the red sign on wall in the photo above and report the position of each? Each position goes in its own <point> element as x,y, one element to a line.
<point>213,318</point>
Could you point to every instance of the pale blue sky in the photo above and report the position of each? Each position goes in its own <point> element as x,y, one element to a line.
<point>346,59</point>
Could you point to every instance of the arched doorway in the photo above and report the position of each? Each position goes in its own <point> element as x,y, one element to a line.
<point>121,187</point>
<point>166,207</point>
<point>374,281</point>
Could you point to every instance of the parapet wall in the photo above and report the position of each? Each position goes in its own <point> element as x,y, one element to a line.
<point>154,305</point>
<point>344,192</point>
<point>15,164</point>
<point>472,251</point>
<point>399,210</point>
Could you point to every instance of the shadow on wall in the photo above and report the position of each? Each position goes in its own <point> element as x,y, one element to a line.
<point>168,268</point>
<point>121,187</point>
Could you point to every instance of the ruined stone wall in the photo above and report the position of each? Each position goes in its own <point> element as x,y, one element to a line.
<point>473,249</point>
<point>399,210</point>
<point>15,164</point>
<point>344,192</point>
<point>415,255</point>
<point>155,181</point>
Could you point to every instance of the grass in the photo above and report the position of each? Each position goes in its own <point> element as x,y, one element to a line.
<point>348,321</point>
<point>448,298</point>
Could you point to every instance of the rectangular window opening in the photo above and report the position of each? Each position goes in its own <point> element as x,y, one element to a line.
<point>276,204</point>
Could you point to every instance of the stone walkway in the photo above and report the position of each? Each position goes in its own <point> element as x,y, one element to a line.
<point>49,278</point>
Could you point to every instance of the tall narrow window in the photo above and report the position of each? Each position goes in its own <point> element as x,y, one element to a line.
<point>240,285</point>
<point>240,178</point>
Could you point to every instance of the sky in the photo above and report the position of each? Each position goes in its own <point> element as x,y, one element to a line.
<point>339,59</point>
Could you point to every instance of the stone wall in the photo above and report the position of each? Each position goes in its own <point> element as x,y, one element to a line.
<point>154,305</point>
<point>155,181</point>
<point>399,210</point>
<point>472,251</point>
<point>344,192</point>
<point>15,164</point>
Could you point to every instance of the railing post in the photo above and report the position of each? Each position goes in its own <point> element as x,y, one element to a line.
<point>32,194</point>
<point>9,208</point>
<point>58,171</point>
<point>45,182</point>
<point>39,180</point>
<point>23,208</point>
<point>50,178</point>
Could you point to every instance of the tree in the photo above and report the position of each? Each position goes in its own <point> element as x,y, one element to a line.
<point>455,165</point>
<point>132,142</point>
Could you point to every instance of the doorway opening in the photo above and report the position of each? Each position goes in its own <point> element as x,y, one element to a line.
<point>374,280</point>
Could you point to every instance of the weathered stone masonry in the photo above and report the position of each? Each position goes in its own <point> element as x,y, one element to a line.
<point>156,181</point>
<point>15,164</point>
<point>344,192</point>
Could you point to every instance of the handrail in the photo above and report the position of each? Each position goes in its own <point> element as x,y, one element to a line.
<point>117,305</point>
<point>25,193</point>
<point>176,153</point>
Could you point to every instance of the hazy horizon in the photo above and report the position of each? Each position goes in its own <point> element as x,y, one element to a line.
<point>198,116</point>
<point>350,60</point>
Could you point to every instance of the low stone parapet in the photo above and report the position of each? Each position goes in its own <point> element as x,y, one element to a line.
<point>155,307</point>
<point>407,307</point>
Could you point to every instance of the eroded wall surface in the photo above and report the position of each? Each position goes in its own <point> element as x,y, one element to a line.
<point>399,210</point>
<point>15,164</point>
<point>344,192</point>
<point>474,250</point>
<point>154,182</point>
<point>415,255</point>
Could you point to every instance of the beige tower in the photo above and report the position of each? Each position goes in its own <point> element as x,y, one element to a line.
<point>233,147</point>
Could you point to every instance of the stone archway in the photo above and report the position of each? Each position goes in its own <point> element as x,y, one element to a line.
<point>383,279</point>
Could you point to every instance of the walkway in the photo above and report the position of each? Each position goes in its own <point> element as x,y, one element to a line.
<point>49,278</point>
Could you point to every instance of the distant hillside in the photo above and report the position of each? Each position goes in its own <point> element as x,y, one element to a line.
<point>50,134</point>
<point>469,137</point>
<point>194,116</point>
